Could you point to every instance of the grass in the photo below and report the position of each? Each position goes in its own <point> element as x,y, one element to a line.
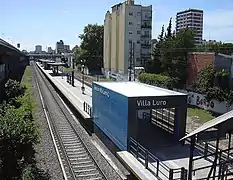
<point>200,114</point>
<point>27,99</point>
<point>68,69</point>
<point>105,80</point>
<point>26,81</point>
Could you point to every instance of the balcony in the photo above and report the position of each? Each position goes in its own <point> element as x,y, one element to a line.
<point>145,55</point>
<point>146,26</point>
<point>145,35</point>
<point>146,45</point>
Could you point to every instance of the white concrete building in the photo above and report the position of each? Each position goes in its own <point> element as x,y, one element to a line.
<point>191,18</point>
<point>38,49</point>
<point>127,23</point>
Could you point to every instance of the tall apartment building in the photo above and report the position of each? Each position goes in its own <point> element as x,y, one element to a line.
<point>60,47</point>
<point>38,49</point>
<point>127,24</point>
<point>191,18</point>
<point>67,48</point>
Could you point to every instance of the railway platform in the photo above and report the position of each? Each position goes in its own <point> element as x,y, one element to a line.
<point>82,102</point>
<point>167,157</point>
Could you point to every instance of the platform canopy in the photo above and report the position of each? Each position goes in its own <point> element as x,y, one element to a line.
<point>57,64</point>
<point>137,89</point>
<point>225,120</point>
<point>9,49</point>
<point>46,60</point>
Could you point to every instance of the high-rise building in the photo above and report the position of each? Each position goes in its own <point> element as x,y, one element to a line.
<point>60,47</point>
<point>67,48</point>
<point>127,24</point>
<point>191,18</point>
<point>50,50</point>
<point>38,49</point>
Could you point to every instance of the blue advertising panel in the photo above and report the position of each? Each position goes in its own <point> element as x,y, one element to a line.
<point>110,114</point>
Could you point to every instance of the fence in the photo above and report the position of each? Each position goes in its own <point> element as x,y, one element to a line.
<point>154,165</point>
<point>208,150</point>
<point>87,108</point>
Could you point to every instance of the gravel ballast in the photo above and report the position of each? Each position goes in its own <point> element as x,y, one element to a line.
<point>103,164</point>
<point>45,152</point>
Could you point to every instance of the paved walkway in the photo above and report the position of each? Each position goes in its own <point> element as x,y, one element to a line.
<point>73,94</point>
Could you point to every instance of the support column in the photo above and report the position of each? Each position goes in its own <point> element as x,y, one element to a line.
<point>192,146</point>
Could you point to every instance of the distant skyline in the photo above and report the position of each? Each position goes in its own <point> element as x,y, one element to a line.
<point>46,22</point>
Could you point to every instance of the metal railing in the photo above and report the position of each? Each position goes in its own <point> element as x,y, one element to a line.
<point>208,149</point>
<point>154,165</point>
<point>87,108</point>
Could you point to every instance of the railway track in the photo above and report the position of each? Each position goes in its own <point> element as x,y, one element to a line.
<point>75,159</point>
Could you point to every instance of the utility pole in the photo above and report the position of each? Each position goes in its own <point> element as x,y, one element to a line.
<point>131,59</point>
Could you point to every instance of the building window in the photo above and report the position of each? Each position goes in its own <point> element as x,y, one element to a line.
<point>131,14</point>
<point>138,59</point>
<point>138,32</point>
<point>139,13</point>
<point>130,32</point>
<point>130,23</point>
<point>138,42</point>
<point>130,41</point>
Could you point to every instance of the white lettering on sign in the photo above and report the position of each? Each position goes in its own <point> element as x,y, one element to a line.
<point>102,91</point>
<point>159,103</point>
<point>143,103</point>
<point>147,103</point>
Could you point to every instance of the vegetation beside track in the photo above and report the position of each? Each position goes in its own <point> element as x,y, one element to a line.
<point>18,131</point>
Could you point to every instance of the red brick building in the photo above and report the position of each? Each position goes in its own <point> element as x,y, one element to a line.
<point>196,62</point>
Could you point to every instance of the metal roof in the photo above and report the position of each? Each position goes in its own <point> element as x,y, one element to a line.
<point>46,60</point>
<point>210,124</point>
<point>136,89</point>
<point>57,64</point>
<point>9,46</point>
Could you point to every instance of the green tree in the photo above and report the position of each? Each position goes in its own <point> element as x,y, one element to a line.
<point>182,43</point>
<point>161,36</point>
<point>169,29</point>
<point>214,84</point>
<point>205,79</point>
<point>218,47</point>
<point>154,65</point>
<point>13,90</point>
<point>92,46</point>
<point>17,137</point>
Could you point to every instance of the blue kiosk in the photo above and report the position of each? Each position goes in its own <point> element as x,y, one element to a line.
<point>153,116</point>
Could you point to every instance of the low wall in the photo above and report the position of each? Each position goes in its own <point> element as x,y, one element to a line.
<point>199,100</point>
<point>194,99</point>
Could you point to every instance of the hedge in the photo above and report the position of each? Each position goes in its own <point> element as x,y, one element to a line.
<point>156,79</point>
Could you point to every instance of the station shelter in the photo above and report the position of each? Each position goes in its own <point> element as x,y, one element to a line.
<point>46,63</point>
<point>150,115</point>
<point>55,67</point>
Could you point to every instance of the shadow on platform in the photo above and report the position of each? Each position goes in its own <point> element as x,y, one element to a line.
<point>161,143</point>
<point>58,74</point>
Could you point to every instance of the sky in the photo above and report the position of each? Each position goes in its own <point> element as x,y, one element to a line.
<point>44,22</point>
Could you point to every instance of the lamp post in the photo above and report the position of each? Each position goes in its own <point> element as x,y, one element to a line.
<point>83,88</point>
<point>72,71</point>
<point>82,69</point>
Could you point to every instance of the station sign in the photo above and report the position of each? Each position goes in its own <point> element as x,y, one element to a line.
<point>150,103</point>
<point>102,91</point>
